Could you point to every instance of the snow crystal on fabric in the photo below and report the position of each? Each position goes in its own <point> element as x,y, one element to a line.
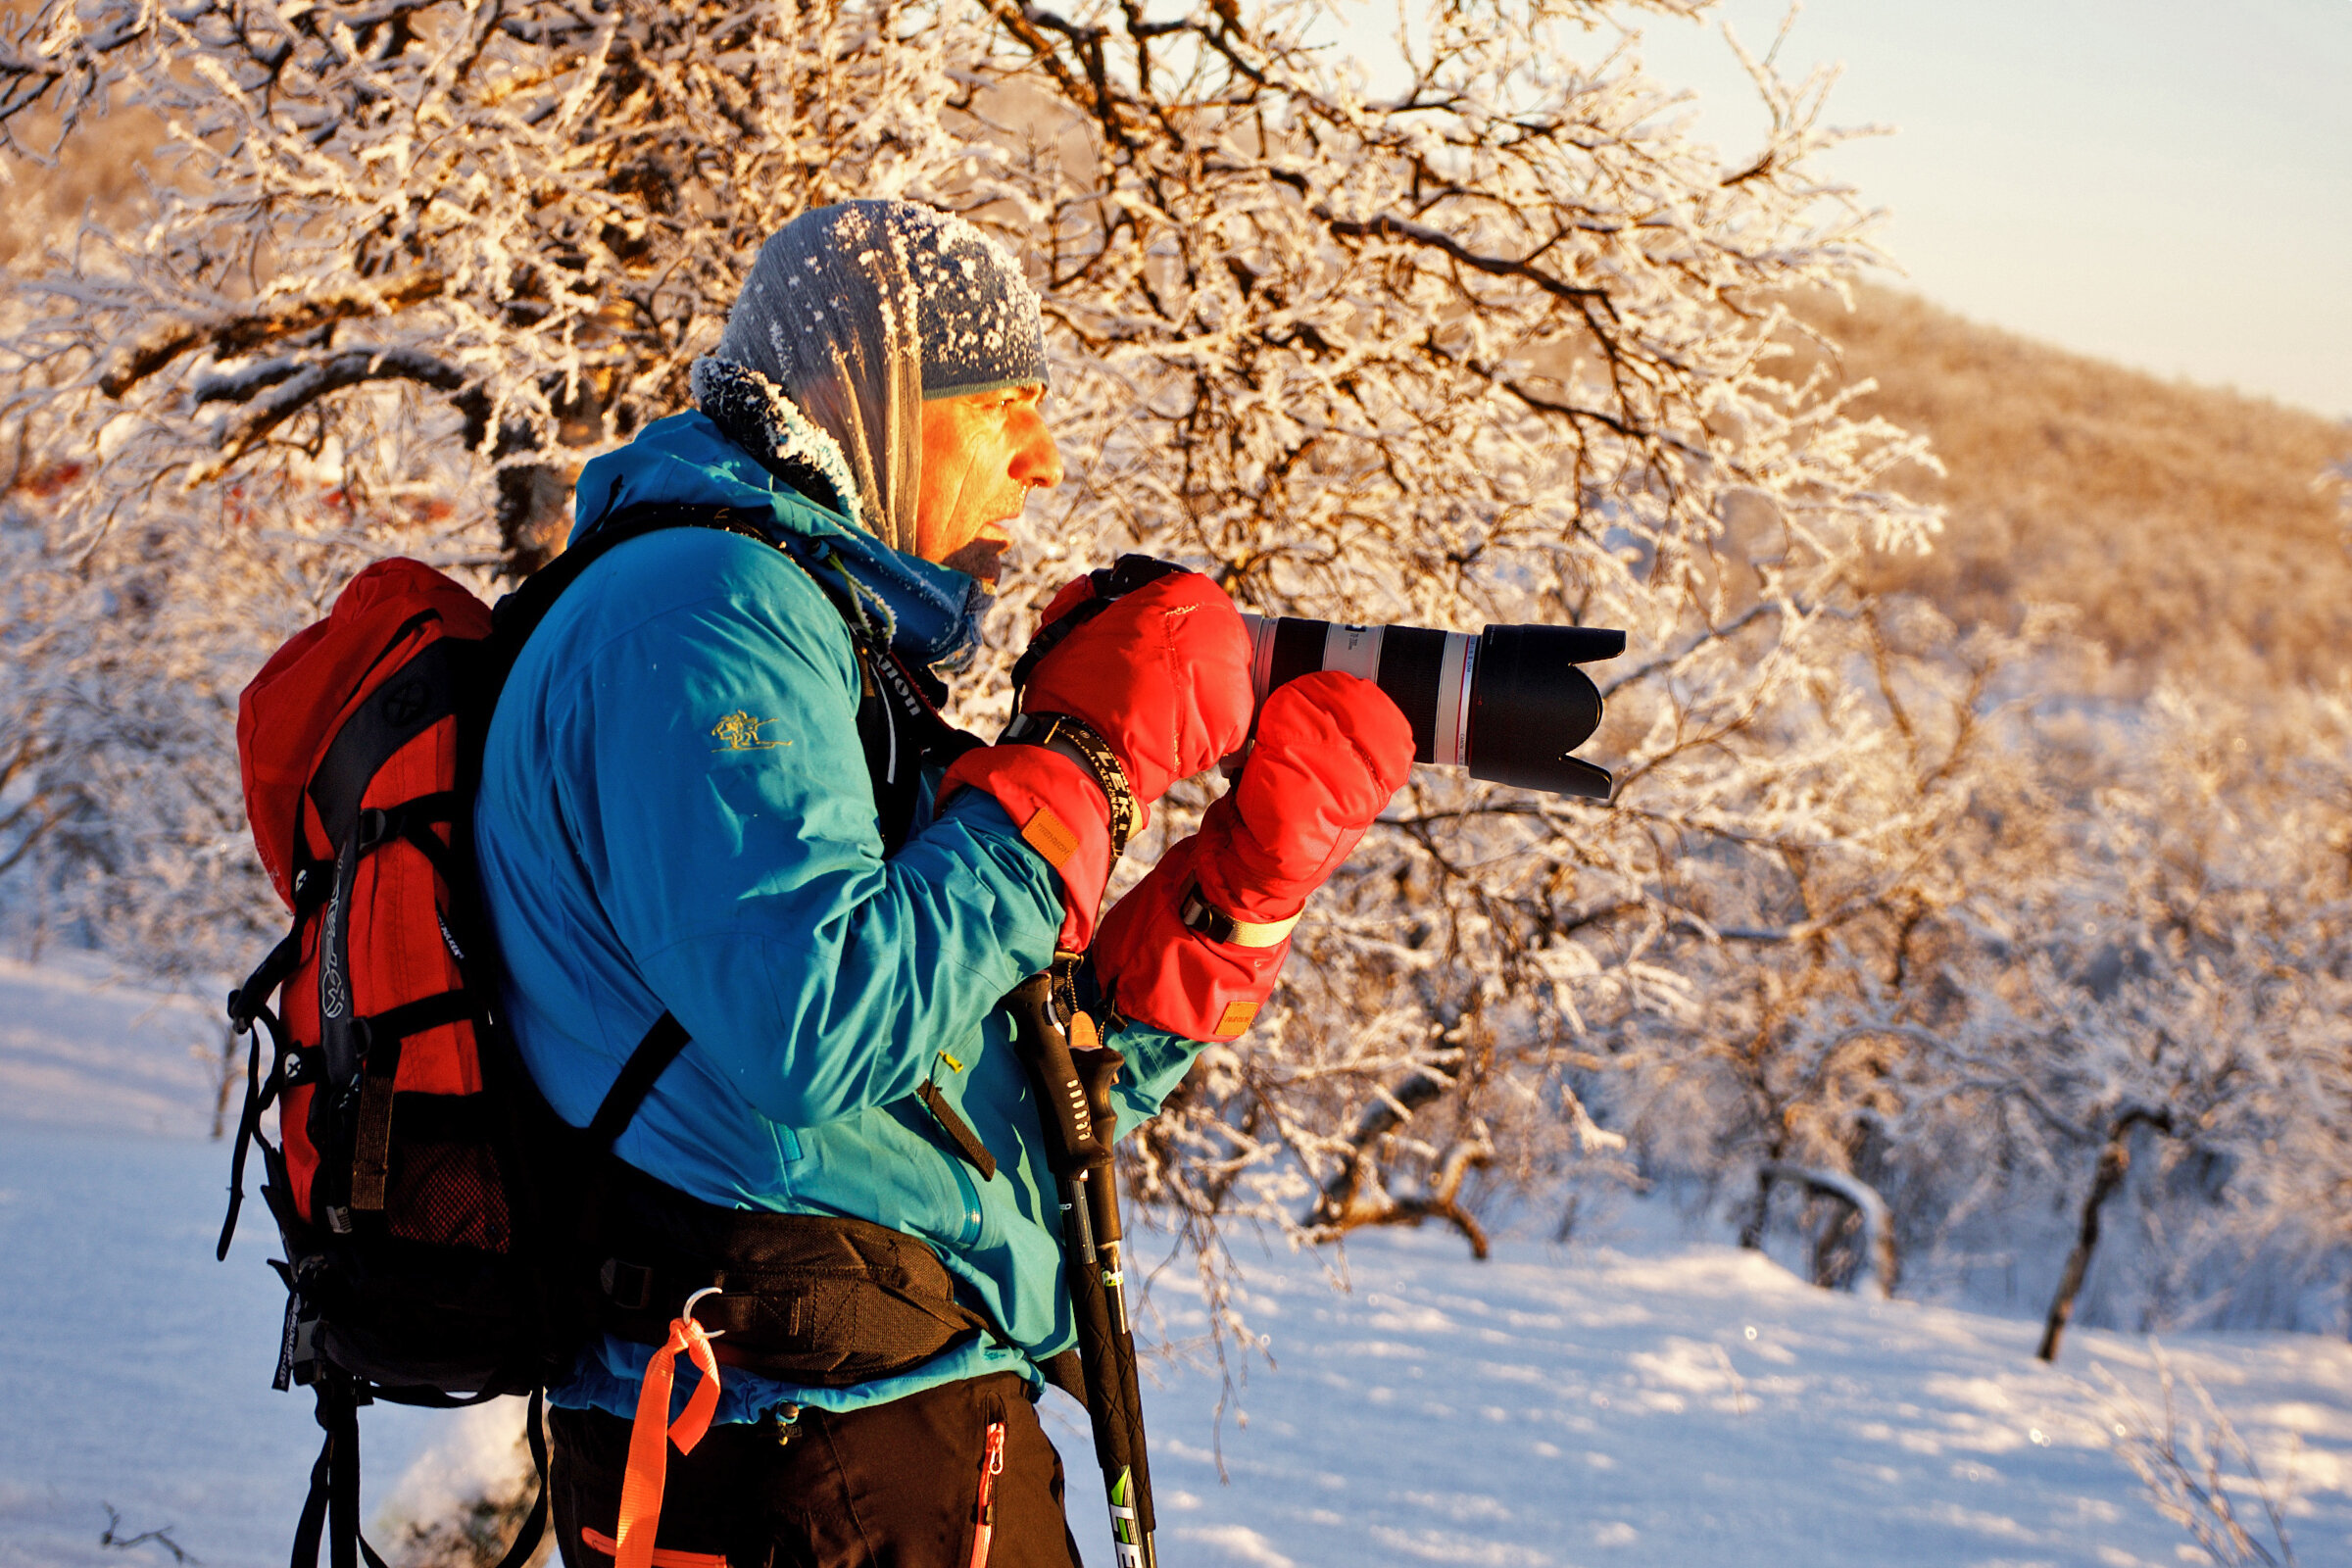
<point>861,311</point>
<point>759,418</point>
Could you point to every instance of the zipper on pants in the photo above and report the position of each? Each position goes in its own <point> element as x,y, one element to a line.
<point>984,1512</point>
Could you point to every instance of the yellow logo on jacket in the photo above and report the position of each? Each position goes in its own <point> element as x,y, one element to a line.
<point>739,731</point>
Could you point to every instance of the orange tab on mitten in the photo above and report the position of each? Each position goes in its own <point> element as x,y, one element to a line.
<point>1062,814</point>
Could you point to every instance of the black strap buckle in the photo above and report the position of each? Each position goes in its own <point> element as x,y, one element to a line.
<point>627,1286</point>
<point>1197,913</point>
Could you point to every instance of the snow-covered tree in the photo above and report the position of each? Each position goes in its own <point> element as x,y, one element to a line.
<point>1498,346</point>
<point>2133,1020</point>
<point>2191,999</point>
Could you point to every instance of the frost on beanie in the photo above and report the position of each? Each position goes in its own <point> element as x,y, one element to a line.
<point>859,312</point>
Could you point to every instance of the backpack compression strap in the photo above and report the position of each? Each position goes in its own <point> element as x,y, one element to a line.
<point>332,1509</point>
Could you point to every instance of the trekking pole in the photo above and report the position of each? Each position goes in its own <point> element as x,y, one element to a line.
<point>1073,1095</point>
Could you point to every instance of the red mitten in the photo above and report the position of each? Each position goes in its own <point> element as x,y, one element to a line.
<point>1162,671</point>
<point>1195,947</point>
<point>1157,676</point>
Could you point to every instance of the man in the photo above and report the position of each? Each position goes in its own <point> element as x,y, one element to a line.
<point>698,798</point>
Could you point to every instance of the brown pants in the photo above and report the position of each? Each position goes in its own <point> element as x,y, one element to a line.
<point>892,1485</point>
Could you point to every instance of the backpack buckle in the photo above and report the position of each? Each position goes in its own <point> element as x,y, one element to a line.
<point>627,1286</point>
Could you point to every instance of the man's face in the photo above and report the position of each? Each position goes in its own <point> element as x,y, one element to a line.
<point>983,453</point>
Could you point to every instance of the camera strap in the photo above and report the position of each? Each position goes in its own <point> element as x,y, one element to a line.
<point>1044,729</point>
<point>1109,584</point>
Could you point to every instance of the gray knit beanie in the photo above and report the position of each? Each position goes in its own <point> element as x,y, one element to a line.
<point>861,312</point>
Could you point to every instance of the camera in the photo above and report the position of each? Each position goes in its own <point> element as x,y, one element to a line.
<point>1507,703</point>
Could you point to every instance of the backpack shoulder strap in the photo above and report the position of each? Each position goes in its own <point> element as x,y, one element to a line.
<point>898,724</point>
<point>518,614</point>
<point>652,1058</point>
<point>512,620</point>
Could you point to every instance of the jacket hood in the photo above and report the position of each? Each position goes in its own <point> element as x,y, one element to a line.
<point>926,613</point>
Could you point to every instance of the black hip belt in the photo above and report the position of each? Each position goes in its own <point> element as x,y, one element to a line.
<point>810,1299</point>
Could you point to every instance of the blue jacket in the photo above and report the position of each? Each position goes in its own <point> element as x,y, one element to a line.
<point>675,813</point>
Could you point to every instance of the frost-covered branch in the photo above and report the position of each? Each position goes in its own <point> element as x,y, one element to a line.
<point>2185,1463</point>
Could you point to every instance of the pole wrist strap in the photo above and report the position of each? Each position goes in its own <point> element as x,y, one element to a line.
<point>1044,729</point>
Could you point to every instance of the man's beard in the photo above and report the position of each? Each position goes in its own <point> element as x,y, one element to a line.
<point>983,558</point>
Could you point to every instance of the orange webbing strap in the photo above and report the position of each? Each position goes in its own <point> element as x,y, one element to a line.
<point>651,1434</point>
<point>663,1556</point>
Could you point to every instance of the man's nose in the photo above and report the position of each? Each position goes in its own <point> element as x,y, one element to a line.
<point>1035,460</point>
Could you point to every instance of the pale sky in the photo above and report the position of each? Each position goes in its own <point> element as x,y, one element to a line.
<point>2167,183</point>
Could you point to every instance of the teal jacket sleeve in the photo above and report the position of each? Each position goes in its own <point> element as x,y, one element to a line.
<point>708,771</point>
<point>1156,1063</point>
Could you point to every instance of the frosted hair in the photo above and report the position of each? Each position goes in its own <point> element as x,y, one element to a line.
<point>861,311</point>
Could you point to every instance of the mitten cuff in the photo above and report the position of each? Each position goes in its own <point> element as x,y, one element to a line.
<point>1160,971</point>
<point>1062,814</point>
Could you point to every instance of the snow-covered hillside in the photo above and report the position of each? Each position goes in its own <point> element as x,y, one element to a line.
<point>1578,1406</point>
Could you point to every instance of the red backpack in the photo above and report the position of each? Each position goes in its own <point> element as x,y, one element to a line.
<point>399,1176</point>
<point>415,1172</point>
<point>353,741</point>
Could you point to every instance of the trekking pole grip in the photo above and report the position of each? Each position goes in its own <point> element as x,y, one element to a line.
<point>1076,1140</point>
<point>1073,1090</point>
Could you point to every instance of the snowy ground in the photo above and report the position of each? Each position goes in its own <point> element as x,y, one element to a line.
<point>1588,1406</point>
<point>137,1372</point>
